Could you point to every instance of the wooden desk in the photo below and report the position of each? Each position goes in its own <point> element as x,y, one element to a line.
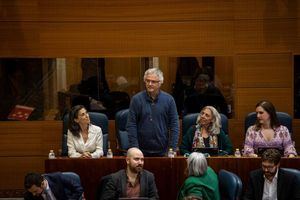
<point>169,173</point>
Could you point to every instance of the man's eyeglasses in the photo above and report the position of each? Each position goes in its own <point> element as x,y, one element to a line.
<point>147,81</point>
<point>268,167</point>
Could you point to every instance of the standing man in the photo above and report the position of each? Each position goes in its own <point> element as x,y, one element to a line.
<point>153,123</point>
<point>52,187</point>
<point>271,182</point>
<point>131,182</point>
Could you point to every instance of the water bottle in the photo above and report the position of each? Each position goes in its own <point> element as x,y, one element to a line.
<point>109,154</point>
<point>171,153</point>
<point>51,154</point>
<point>237,153</point>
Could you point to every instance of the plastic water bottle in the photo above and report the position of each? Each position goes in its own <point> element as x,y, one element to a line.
<point>51,154</point>
<point>109,154</point>
<point>237,153</point>
<point>171,153</point>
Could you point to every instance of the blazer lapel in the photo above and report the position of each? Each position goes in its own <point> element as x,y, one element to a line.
<point>124,183</point>
<point>143,183</point>
<point>279,184</point>
<point>260,185</point>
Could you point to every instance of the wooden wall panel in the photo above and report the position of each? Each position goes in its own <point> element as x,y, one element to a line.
<point>117,39</point>
<point>265,36</point>
<point>117,10</point>
<point>236,133</point>
<point>297,41</point>
<point>30,138</point>
<point>13,170</point>
<point>264,70</point>
<point>266,9</point>
<point>247,98</point>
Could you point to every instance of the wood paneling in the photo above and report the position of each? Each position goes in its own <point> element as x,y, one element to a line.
<point>265,36</point>
<point>117,10</point>
<point>264,70</point>
<point>116,39</point>
<point>297,41</point>
<point>266,9</point>
<point>23,148</point>
<point>13,170</point>
<point>247,98</point>
<point>236,133</point>
<point>30,138</point>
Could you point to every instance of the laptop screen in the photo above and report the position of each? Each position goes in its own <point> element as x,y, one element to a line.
<point>212,151</point>
<point>134,198</point>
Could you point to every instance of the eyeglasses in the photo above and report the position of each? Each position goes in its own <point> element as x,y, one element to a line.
<point>269,168</point>
<point>147,81</point>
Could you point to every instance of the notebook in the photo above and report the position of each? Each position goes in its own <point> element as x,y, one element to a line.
<point>261,150</point>
<point>212,151</point>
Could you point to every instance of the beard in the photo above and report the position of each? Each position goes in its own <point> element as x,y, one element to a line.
<point>270,175</point>
<point>136,169</point>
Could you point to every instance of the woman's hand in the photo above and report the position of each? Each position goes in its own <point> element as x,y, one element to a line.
<point>253,155</point>
<point>86,155</point>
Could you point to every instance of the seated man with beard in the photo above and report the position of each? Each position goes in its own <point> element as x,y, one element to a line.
<point>132,182</point>
<point>272,182</point>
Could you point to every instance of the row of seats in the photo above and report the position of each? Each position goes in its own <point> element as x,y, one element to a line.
<point>189,120</point>
<point>230,184</point>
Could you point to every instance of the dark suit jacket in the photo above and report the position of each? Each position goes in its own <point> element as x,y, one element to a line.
<point>116,186</point>
<point>58,184</point>
<point>288,186</point>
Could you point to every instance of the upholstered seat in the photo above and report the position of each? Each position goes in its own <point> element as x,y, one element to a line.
<point>230,185</point>
<point>121,132</point>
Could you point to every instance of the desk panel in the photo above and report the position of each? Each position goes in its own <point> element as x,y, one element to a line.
<point>169,173</point>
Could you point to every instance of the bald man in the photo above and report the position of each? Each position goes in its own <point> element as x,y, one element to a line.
<point>133,181</point>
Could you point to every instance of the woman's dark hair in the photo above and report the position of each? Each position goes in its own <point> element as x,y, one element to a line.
<point>33,179</point>
<point>74,126</point>
<point>270,109</point>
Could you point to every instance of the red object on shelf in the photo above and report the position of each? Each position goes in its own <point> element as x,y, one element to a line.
<point>20,113</point>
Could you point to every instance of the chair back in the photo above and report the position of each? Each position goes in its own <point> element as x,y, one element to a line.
<point>293,171</point>
<point>284,119</point>
<point>230,185</point>
<point>190,120</point>
<point>74,177</point>
<point>101,185</point>
<point>120,125</point>
<point>98,119</point>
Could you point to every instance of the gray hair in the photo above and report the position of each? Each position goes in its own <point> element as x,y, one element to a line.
<point>197,164</point>
<point>216,120</point>
<point>156,72</point>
